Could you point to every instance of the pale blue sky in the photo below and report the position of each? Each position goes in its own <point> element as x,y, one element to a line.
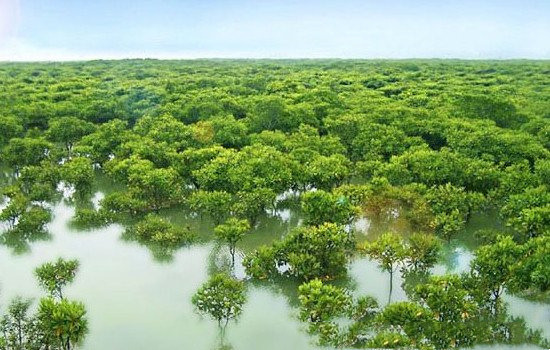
<point>84,29</point>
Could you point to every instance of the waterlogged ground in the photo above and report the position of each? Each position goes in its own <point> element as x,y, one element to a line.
<point>135,301</point>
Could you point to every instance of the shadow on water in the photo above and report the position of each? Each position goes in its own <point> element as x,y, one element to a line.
<point>20,242</point>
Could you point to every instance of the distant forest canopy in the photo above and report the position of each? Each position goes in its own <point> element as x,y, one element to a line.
<point>437,139</point>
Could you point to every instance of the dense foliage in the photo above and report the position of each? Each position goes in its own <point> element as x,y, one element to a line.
<point>428,142</point>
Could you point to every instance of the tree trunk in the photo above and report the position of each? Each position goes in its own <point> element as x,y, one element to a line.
<point>496,294</point>
<point>19,334</point>
<point>391,286</point>
<point>232,252</point>
<point>69,150</point>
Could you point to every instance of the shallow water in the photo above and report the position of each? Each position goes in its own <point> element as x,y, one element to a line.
<point>137,302</point>
<point>134,302</point>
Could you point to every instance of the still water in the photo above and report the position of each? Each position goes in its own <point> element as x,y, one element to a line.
<point>135,301</point>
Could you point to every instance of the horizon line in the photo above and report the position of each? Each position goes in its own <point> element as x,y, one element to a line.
<point>268,58</point>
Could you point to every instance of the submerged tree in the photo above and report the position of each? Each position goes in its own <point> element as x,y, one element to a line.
<point>493,268</point>
<point>455,314</point>
<point>251,204</point>
<point>63,323</point>
<point>320,305</point>
<point>216,204</point>
<point>422,252</point>
<point>389,251</point>
<point>58,324</point>
<point>30,227</point>
<point>533,269</point>
<point>305,253</point>
<point>17,325</point>
<point>407,318</point>
<point>452,207</point>
<point>320,207</point>
<point>155,229</point>
<point>231,232</point>
<point>53,277</point>
<point>21,152</point>
<point>221,298</point>
<point>68,130</point>
<point>79,173</point>
<point>334,315</point>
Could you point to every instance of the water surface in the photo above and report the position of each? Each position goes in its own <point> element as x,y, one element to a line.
<point>137,302</point>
